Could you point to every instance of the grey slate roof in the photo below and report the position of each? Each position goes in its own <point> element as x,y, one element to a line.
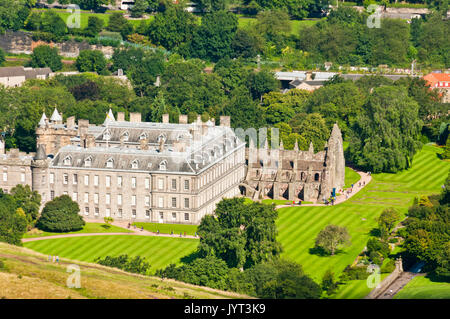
<point>12,71</point>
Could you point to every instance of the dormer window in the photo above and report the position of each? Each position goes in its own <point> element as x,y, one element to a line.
<point>143,136</point>
<point>88,161</point>
<point>107,135</point>
<point>135,164</point>
<point>126,136</point>
<point>110,163</point>
<point>68,161</point>
<point>163,166</point>
<point>161,137</point>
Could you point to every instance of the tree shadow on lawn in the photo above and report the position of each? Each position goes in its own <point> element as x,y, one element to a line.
<point>190,258</point>
<point>375,232</point>
<point>319,251</point>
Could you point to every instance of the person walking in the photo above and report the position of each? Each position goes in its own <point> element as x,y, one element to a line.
<point>57,259</point>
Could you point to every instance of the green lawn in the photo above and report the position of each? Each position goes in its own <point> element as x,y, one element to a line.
<point>168,228</point>
<point>351,177</point>
<point>88,228</point>
<point>296,25</point>
<point>281,201</point>
<point>421,287</point>
<point>298,226</point>
<point>159,251</point>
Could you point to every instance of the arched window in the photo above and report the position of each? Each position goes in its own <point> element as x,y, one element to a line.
<point>135,164</point>
<point>68,160</point>
<point>163,165</point>
<point>316,177</point>
<point>110,163</point>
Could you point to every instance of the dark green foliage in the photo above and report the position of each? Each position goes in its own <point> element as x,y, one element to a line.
<point>388,267</point>
<point>46,56</point>
<point>118,23</point>
<point>91,4</point>
<point>281,279</point>
<point>242,235</point>
<point>388,219</point>
<point>94,26</point>
<point>245,44</point>
<point>262,82</point>
<point>377,250</point>
<point>12,223</point>
<point>354,273</point>
<point>87,90</point>
<point>172,28</point>
<point>13,14</point>
<point>328,282</point>
<point>209,271</point>
<point>60,215</point>
<point>91,61</point>
<point>136,264</point>
<point>213,39</point>
<point>2,56</point>
<point>385,135</point>
<point>139,8</point>
<point>52,23</point>
<point>428,233</point>
<point>28,200</point>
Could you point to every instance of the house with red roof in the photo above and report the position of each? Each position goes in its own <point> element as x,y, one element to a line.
<point>441,82</point>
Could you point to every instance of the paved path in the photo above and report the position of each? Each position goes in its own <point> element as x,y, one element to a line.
<point>364,180</point>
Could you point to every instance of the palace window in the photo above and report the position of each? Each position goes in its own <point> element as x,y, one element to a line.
<point>174,202</point>
<point>88,161</point>
<point>135,164</point>
<point>68,161</point>
<point>133,182</point>
<point>186,185</point>
<point>186,216</point>
<point>174,216</point>
<point>110,163</point>
<point>147,183</point>
<point>108,181</point>
<point>163,166</point>
<point>75,179</point>
<point>174,183</point>
<point>186,203</point>
<point>133,200</point>
<point>107,135</point>
<point>147,213</point>
<point>126,136</point>
<point>65,179</point>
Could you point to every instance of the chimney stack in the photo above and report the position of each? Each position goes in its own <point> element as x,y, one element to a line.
<point>183,119</point>
<point>71,122</point>
<point>144,144</point>
<point>90,141</point>
<point>225,121</point>
<point>165,118</point>
<point>135,117</point>
<point>83,126</point>
<point>120,117</point>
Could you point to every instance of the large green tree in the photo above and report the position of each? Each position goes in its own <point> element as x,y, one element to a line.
<point>46,56</point>
<point>240,234</point>
<point>13,222</point>
<point>213,39</point>
<point>91,61</point>
<point>386,133</point>
<point>60,215</point>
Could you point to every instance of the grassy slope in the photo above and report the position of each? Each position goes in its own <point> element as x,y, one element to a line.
<point>88,228</point>
<point>298,226</point>
<point>351,177</point>
<point>27,274</point>
<point>159,251</point>
<point>422,287</point>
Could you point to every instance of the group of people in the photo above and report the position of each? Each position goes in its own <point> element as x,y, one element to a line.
<point>53,258</point>
<point>135,227</point>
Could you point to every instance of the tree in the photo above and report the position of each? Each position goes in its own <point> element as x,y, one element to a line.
<point>29,201</point>
<point>385,135</point>
<point>60,215</point>
<point>213,39</point>
<point>13,223</point>
<point>136,264</point>
<point>2,56</point>
<point>261,83</point>
<point>87,90</point>
<point>246,44</point>
<point>95,25</point>
<point>240,234</point>
<point>172,28</point>
<point>91,61</point>
<point>328,283</point>
<point>46,56</point>
<point>52,23</point>
<point>91,4</point>
<point>139,8</point>
<point>118,23</point>
<point>388,219</point>
<point>331,237</point>
<point>13,14</point>
<point>281,279</point>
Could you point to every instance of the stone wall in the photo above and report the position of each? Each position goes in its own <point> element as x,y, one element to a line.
<point>377,291</point>
<point>22,42</point>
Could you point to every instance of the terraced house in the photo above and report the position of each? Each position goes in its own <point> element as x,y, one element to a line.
<point>138,171</point>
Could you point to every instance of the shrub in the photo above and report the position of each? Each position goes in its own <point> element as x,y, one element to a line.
<point>60,215</point>
<point>137,264</point>
<point>388,266</point>
<point>354,273</point>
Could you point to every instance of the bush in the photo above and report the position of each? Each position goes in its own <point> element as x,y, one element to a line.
<point>60,215</point>
<point>388,266</point>
<point>354,273</point>
<point>137,264</point>
<point>46,56</point>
